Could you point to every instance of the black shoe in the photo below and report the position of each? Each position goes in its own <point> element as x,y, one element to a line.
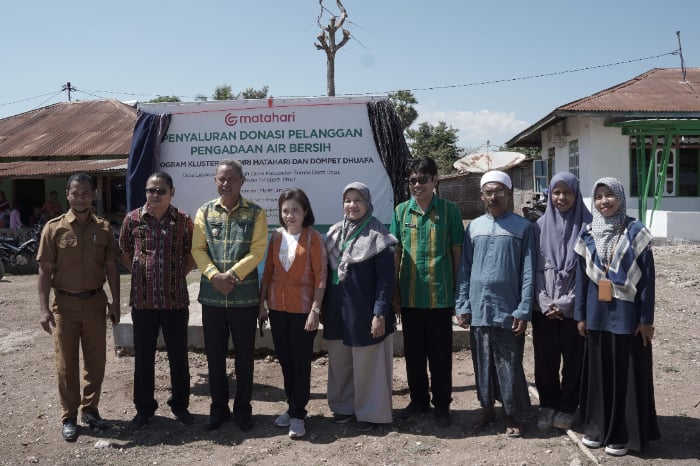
<point>413,410</point>
<point>69,430</point>
<point>363,426</point>
<point>94,420</point>
<point>342,418</point>
<point>215,420</point>
<point>183,416</point>
<point>443,418</point>
<point>244,422</point>
<point>139,421</point>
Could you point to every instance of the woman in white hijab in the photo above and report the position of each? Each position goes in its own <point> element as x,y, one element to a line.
<point>614,308</point>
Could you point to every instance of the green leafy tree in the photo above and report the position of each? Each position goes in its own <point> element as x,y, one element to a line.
<point>251,93</point>
<point>223,92</point>
<point>164,98</point>
<point>438,142</point>
<point>404,101</point>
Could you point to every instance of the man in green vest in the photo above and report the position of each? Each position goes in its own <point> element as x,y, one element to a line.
<point>228,243</point>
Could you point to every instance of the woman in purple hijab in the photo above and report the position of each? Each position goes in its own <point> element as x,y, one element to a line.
<point>554,331</point>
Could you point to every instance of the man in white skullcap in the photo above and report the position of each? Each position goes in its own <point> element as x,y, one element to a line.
<point>494,295</point>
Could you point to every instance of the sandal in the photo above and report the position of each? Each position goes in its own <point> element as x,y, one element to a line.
<point>513,431</point>
<point>485,418</point>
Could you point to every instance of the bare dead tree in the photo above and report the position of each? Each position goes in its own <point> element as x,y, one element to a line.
<point>327,43</point>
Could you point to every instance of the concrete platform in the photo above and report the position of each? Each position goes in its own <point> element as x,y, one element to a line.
<point>124,337</point>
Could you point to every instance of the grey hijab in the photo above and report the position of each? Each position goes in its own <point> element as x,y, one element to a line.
<point>607,230</point>
<point>373,238</point>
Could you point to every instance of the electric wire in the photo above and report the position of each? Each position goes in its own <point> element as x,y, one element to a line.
<point>94,92</point>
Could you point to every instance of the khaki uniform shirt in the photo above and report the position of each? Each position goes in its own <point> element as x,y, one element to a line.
<point>78,252</point>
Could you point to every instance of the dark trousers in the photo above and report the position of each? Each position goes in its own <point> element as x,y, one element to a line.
<point>427,337</point>
<point>294,347</point>
<point>618,405</point>
<point>556,341</point>
<point>240,323</point>
<point>173,322</point>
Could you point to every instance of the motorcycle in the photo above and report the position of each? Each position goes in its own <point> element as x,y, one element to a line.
<point>537,206</point>
<point>20,258</point>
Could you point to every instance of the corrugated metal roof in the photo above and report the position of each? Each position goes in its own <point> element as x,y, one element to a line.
<point>658,93</point>
<point>44,168</point>
<point>91,128</point>
<point>657,90</point>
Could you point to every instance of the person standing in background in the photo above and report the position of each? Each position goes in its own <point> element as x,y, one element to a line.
<point>52,207</point>
<point>15,218</point>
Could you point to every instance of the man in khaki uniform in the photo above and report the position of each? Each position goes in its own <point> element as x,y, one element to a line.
<point>76,250</point>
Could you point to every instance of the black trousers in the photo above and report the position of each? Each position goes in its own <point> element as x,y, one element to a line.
<point>173,322</point>
<point>557,345</point>
<point>427,338</point>
<point>240,323</point>
<point>294,347</point>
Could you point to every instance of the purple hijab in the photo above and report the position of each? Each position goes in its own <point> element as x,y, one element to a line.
<point>559,231</point>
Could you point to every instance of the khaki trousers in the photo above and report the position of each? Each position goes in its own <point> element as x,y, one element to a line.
<point>79,323</point>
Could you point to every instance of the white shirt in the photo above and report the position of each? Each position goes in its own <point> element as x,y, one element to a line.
<point>288,249</point>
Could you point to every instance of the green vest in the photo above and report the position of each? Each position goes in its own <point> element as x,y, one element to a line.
<point>228,239</point>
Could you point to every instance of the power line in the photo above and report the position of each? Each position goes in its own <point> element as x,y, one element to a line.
<point>534,76</point>
<point>52,93</point>
<point>94,93</point>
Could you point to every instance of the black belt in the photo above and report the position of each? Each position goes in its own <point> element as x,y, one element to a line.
<point>80,294</point>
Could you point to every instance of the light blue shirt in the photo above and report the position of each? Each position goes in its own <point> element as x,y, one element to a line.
<point>495,281</point>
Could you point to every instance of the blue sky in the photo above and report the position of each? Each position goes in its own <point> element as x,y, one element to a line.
<point>136,50</point>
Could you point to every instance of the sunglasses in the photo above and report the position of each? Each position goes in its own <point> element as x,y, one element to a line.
<point>158,191</point>
<point>419,180</point>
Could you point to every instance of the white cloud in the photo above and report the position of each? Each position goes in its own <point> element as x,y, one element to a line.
<point>476,127</point>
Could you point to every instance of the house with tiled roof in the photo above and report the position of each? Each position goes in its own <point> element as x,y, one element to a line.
<point>644,132</point>
<point>41,148</point>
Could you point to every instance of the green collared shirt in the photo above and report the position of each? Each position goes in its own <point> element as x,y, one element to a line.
<point>426,271</point>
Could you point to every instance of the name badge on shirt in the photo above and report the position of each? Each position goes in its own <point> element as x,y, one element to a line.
<point>410,225</point>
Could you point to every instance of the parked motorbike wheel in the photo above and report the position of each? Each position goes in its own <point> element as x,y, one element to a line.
<point>25,263</point>
<point>2,270</point>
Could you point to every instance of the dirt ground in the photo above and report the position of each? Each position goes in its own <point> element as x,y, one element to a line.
<point>30,430</point>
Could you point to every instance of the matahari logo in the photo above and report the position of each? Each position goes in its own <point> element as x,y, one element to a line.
<point>230,119</point>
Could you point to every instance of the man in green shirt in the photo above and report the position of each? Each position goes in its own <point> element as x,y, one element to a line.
<point>430,234</point>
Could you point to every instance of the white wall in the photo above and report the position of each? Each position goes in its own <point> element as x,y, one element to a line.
<point>603,152</point>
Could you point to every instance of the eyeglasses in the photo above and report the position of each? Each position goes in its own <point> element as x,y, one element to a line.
<point>158,191</point>
<point>419,180</point>
<point>494,193</point>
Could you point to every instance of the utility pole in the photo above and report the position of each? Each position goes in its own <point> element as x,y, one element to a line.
<point>680,52</point>
<point>69,88</point>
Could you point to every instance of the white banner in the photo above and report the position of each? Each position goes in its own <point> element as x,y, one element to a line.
<point>317,144</point>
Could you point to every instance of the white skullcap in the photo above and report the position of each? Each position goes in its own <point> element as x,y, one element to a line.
<point>496,176</point>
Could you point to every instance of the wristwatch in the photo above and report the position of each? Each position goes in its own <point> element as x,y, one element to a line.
<point>316,310</point>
